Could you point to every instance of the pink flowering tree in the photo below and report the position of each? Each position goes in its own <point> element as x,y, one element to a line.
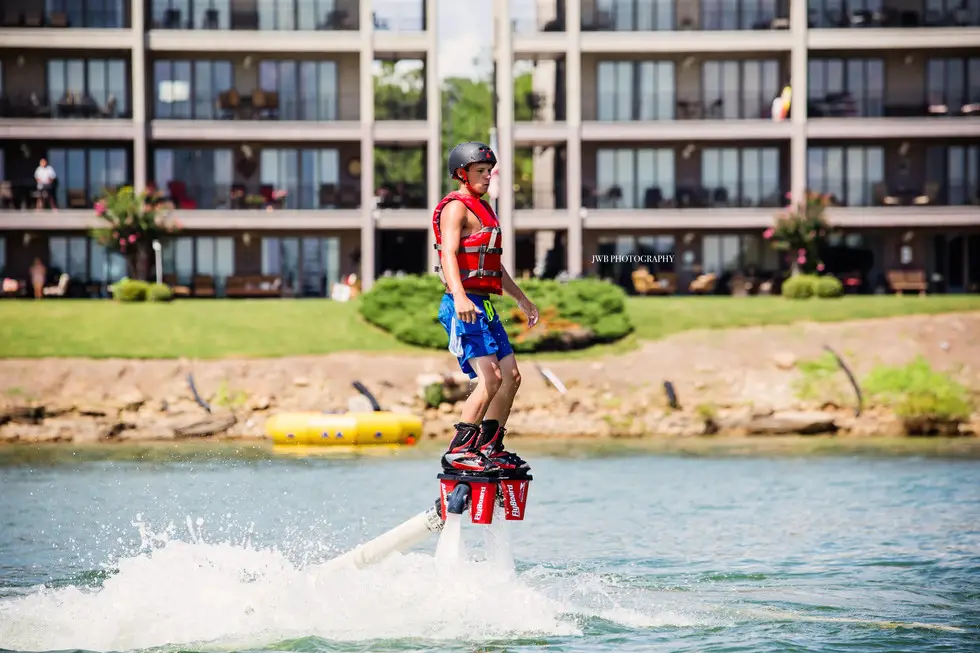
<point>132,221</point>
<point>801,232</point>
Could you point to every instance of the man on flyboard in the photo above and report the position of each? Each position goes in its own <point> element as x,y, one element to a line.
<point>468,239</point>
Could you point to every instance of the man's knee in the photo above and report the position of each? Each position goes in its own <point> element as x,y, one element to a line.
<point>509,372</point>
<point>488,373</point>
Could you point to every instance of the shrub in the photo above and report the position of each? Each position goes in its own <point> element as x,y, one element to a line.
<point>159,292</point>
<point>800,286</point>
<point>130,290</point>
<point>575,314</point>
<point>828,287</point>
<point>819,380</point>
<point>927,401</point>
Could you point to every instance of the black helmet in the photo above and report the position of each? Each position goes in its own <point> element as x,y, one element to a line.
<point>466,153</point>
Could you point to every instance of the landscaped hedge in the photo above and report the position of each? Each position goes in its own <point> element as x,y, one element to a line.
<point>805,286</point>
<point>574,314</point>
<point>133,290</point>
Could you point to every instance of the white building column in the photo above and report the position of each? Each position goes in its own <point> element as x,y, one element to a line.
<point>573,152</point>
<point>800,85</point>
<point>139,91</point>
<point>368,221</point>
<point>433,169</point>
<point>504,57</point>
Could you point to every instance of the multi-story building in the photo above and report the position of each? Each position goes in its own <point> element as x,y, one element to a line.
<point>650,131</point>
<point>219,104</point>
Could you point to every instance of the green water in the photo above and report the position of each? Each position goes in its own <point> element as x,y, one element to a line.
<point>741,545</point>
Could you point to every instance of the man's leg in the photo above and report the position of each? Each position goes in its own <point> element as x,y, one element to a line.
<point>464,449</point>
<point>475,349</point>
<point>494,421</point>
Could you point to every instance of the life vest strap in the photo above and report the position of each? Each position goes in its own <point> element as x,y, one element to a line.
<point>474,250</point>
<point>470,274</point>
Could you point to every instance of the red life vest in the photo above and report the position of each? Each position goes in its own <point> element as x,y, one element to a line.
<point>478,256</point>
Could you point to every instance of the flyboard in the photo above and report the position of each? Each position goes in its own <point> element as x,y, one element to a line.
<point>459,492</point>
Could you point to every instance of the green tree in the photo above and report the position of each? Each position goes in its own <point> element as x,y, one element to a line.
<point>399,95</point>
<point>467,110</point>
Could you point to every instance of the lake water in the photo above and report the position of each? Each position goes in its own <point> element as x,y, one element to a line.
<point>632,552</point>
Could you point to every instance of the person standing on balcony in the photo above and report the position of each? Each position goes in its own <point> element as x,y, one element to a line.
<point>45,176</point>
<point>468,239</point>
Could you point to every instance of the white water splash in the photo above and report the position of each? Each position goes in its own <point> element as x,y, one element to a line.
<point>216,595</point>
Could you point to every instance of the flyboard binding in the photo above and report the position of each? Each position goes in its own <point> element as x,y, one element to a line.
<point>480,491</point>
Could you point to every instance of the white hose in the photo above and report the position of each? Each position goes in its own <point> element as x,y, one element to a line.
<point>400,538</point>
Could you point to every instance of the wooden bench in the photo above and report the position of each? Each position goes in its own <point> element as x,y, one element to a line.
<point>902,280</point>
<point>255,285</point>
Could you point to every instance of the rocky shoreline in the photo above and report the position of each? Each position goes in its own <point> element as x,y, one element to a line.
<point>174,413</point>
<point>732,382</point>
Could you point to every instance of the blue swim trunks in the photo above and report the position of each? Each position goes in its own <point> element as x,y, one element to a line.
<point>467,340</point>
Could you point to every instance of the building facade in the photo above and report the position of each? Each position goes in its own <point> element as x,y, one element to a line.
<point>222,105</point>
<point>649,126</point>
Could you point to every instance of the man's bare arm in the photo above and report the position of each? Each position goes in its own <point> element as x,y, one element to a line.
<point>511,288</point>
<point>451,223</point>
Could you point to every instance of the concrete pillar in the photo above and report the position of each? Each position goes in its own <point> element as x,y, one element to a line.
<point>433,169</point>
<point>799,68</point>
<point>573,155</point>
<point>505,128</point>
<point>367,145</point>
<point>139,91</point>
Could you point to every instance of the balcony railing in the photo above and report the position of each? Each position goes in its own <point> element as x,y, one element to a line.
<point>398,16</point>
<point>528,18</point>
<point>401,196</point>
<point>661,17</point>
<point>845,105</point>
<point>75,15</point>
<point>263,15</point>
<point>531,198</point>
<point>243,197</point>
<point>397,110</point>
<point>259,105</point>
<point>823,16</point>
<point>22,193</point>
<point>533,107</point>
<point>890,193</point>
<point>668,196</point>
<point>37,105</point>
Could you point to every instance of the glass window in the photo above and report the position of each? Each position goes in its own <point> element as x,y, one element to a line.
<point>849,175</point>
<point>626,178</point>
<point>606,90</point>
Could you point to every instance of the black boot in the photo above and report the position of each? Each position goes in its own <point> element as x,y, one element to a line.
<point>492,446</point>
<point>463,454</point>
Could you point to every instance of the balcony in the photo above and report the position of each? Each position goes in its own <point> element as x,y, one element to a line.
<point>235,98</point>
<point>540,183</point>
<point>400,101</point>
<point>725,26</point>
<point>661,186</point>
<point>268,25</point>
<point>898,183</point>
<point>54,98</point>
<point>539,102</point>
<point>400,27</point>
<point>538,28</point>
<point>915,94</point>
<point>253,186</point>
<point>83,171</point>
<point>65,24</point>
<point>681,98</point>
<point>401,187</point>
<point>894,26</point>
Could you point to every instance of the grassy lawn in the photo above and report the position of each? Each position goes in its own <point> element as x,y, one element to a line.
<point>656,317</point>
<point>264,328</point>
